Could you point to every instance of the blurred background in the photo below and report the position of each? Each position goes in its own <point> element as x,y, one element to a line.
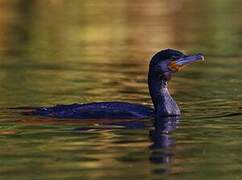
<point>70,51</point>
<point>53,51</point>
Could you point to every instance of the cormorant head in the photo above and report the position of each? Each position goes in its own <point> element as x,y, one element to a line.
<point>167,62</point>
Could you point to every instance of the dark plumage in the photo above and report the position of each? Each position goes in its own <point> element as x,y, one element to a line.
<point>162,66</point>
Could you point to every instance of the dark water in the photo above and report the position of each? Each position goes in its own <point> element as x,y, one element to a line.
<point>62,52</point>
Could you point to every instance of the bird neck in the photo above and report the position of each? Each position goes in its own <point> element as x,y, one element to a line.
<point>163,102</point>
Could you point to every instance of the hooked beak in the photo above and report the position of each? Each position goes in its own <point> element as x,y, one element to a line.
<point>177,65</point>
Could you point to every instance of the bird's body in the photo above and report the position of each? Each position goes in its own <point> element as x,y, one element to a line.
<point>97,110</point>
<point>162,66</point>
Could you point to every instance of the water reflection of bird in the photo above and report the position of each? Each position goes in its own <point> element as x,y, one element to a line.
<point>162,66</point>
<point>161,151</point>
<point>160,135</point>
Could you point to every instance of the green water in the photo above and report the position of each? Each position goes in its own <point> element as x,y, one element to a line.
<point>62,52</point>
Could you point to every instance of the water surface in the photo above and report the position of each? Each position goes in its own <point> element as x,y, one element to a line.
<point>62,52</point>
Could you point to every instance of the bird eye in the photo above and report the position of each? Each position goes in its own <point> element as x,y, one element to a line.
<point>174,58</point>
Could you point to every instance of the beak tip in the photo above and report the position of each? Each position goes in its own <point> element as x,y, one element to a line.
<point>202,57</point>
